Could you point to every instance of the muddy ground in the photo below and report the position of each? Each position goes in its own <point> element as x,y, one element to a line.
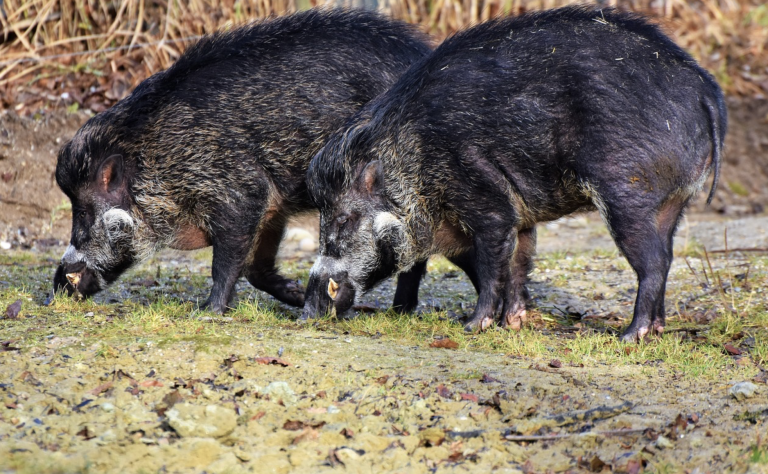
<point>139,380</point>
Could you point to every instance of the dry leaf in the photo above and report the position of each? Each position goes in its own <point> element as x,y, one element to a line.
<point>293,425</point>
<point>308,434</point>
<point>169,400</point>
<point>488,379</point>
<point>6,346</point>
<point>444,343</point>
<point>469,396</point>
<point>296,425</point>
<point>101,388</point>
<point>13,310</point>
<point>732,350</point>
<point>272,360</point>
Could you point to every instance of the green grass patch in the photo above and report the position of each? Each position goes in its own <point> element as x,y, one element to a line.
<point>163,311</point>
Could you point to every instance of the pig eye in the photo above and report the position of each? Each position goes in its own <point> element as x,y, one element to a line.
<point>341,220</point>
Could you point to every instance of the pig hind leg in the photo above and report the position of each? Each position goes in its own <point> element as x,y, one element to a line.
<point>514,313</point>
<point>643,232</point>
<point>667,219</point>
<point>262,273</point>
<point>493,250</point>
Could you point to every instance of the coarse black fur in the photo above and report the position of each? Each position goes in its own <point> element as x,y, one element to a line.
<point>518,121</point>
<point>214,150</point>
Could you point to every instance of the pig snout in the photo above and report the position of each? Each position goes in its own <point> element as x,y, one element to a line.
<point>76,279</point>
<point>326,294</point>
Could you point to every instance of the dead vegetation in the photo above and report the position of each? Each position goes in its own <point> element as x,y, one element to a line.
<point>91,54</point>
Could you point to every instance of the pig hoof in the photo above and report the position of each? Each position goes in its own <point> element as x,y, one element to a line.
<point>213,308</point>
<point>515,320</point>
<point>479,326</point>
<point>635,335</point>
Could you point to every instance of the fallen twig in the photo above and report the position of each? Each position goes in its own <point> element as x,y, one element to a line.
<point>740,249</point>
<point>609,433</point>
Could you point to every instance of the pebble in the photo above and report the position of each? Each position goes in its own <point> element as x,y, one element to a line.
<point>308,244</point>
<point>297,234</point>
<point>5,245</point>
<point>347,455</point>
<point>211,421</point>
<point>743,390</point>
<point>664,443</point>
<point>107,437</point>
<point>108,407</point>
<point>281,391</point>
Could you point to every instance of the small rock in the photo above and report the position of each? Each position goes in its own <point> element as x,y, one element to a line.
<point>5,245</point>
<point>244,386</point>
<point>281,391</point>
<point>212,421</point>
<point>243,455</point>
<point>226,463</point>
<point>433,436</point>
<point>107,437</point>
<point>297,234</point>
<point>663,443</point>
<point>333,409</point>
<point>308,244</point>
<point>347,455</point>
<point>743,390</point>
<point>108,407</point>
<point>13,310</point>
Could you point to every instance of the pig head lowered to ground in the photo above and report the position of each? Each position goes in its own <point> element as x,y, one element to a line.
<point>214,150</point>
<point>507,124</point>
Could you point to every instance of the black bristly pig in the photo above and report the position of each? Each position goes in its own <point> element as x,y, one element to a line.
<point>510,123</point>
<point>214,150</point>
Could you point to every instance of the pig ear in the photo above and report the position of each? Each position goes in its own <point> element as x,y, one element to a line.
<point>372,177</point>
<point>110,175</point>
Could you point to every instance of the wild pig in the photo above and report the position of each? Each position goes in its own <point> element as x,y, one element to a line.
<point>510,123</point>
<point>214,150</point>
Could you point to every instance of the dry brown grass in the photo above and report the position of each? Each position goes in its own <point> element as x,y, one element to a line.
<point>118,44</point>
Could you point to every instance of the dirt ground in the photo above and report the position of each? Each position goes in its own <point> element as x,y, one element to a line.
<point>108,387</point>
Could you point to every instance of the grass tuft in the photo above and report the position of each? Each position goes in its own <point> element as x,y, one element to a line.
<point>163,313</point>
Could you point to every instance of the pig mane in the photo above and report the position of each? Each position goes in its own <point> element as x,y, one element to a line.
<point>264,39</point>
